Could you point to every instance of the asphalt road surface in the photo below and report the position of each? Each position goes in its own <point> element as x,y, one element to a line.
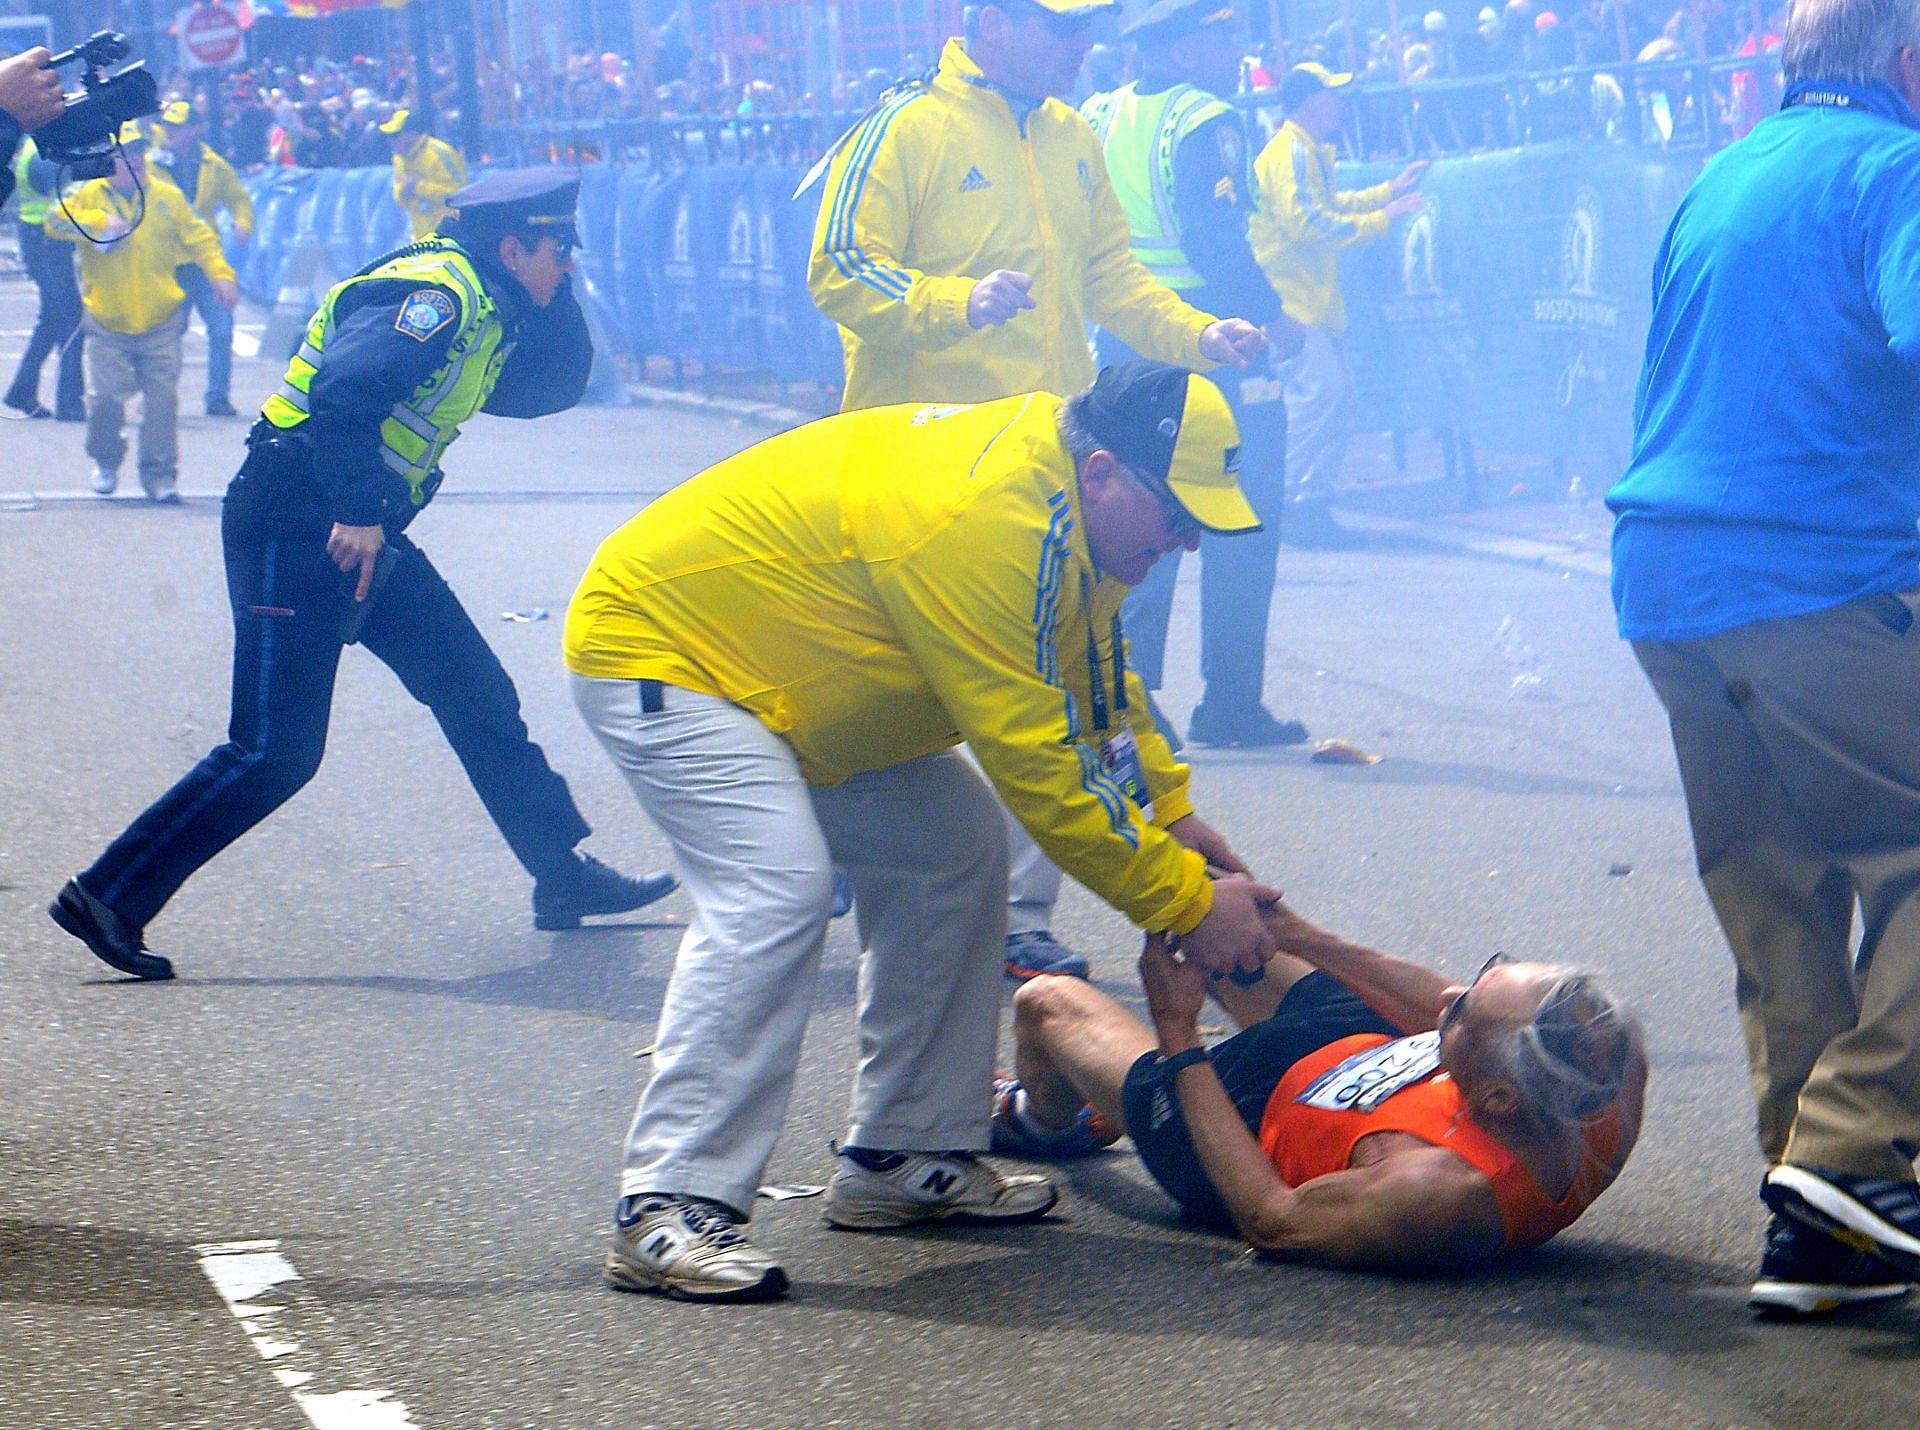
<point>354,1167</point>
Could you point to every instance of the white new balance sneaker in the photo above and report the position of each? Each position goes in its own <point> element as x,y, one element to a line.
<point>105,479</point>
<point>688,1249</point>
<point>904,1188</point>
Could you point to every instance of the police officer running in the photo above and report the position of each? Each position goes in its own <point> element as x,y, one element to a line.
<point>480,316</point>
<point>1178,157</point>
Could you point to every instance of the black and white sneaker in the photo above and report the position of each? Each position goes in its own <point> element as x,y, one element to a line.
<point>690,1249</point>
<point>1877,1215</point>
<point>874,1191</point>
<point>1807,1273</point>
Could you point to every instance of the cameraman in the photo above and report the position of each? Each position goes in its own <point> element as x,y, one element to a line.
<point>30,96</point>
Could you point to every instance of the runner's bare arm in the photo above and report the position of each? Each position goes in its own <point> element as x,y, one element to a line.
<point>1408,995</point>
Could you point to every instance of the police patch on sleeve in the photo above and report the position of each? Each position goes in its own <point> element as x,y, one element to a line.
<point>424,314</point>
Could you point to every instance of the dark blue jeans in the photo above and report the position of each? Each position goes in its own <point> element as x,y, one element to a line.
<point>1236,572</point>
<point>49,262</point>
<point>219,325</point>
<point>288,600</point>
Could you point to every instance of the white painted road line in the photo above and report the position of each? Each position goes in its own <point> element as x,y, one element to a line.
<point>278,1312</point>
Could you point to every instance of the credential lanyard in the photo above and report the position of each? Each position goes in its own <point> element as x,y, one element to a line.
<point>1096,667</point>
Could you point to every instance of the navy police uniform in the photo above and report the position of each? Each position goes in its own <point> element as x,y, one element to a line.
<point>340,443</point>
<point>1212,194</point>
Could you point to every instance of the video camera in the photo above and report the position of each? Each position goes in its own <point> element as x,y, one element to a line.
<point>85,136</point>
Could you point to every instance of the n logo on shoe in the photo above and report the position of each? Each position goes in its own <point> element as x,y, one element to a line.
<point>939,1182</point>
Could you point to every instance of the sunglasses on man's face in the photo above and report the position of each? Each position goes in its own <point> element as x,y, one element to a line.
<point>1180,523</point>
<point>1452,1010</point>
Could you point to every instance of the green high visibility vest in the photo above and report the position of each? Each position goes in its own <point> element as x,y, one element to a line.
<point>421,426</point>
<point>1141,133</point>
<point>34,205</point>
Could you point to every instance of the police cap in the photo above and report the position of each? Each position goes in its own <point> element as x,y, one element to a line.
<point>541,199</point>
<point>1165,21</point>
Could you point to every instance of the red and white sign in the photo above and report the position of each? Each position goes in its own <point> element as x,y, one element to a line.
<point>210,36</point>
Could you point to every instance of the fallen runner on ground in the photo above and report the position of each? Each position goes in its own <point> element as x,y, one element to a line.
<point>1372,1112</point>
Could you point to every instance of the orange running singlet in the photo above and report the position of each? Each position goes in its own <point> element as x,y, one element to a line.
<point>1306,1140</point>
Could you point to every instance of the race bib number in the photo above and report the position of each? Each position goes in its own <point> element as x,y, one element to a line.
<point>1367,1079</point>
<point>1120,758</point>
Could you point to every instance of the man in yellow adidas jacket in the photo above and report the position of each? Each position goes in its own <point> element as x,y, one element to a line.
<point>141,230</point>
<point>969,230</point>
<point>1298,231</point>
<point>968,233</point>
<point>780,654</point>
<point>212,186</point>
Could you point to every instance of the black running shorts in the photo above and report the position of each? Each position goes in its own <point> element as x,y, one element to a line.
<point>1316,1011</point>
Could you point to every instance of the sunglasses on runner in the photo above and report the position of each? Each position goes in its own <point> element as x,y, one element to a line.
<point>1452,1010</point>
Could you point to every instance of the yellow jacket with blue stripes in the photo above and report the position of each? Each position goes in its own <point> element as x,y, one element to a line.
<point>881,584</point>
<point>1302,222</point>
<point>937,188</point>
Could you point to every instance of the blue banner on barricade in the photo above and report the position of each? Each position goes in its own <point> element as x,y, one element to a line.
<point>632,292</point>
<point>1514,308</point>
<point>800,342</point>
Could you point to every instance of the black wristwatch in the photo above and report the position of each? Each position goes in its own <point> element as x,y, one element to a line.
<point>1171,1066</point>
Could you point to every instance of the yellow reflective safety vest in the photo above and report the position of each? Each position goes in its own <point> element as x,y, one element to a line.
<point>33,204</point>
<point>869,619</point>
<point>1140,134</point>
<point>417,430</point>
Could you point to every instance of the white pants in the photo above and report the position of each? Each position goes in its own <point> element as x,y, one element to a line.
<point>922,843</point>
<point>1320,417</point>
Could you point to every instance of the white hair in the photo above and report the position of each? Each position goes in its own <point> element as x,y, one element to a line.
<point>1847,39</point>
<point>1570,1059</point>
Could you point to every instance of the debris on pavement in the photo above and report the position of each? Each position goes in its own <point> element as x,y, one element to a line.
<point>787,1191</point>
<point>1343,752</point>
<point>1619,871</point>
<point>526,617</point>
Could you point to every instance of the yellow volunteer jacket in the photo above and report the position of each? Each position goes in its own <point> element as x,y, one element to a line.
<point>128,285</point>
<point>219,187</point>
<point>1303,222</point>
<point>934,190</point>
<point>437,170</point>
<point>870,619</point>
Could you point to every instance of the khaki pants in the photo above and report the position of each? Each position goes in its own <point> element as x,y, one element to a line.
<point>1320,417</point>
<point>1799,748</point>
<point>120,365</point>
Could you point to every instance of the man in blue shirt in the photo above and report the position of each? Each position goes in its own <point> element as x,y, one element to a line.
<point>1767,571</point>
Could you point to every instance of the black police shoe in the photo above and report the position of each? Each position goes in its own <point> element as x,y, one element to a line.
<point>220,407</point>
<point>588,888</point>
<point>106,933</point>
<point>1807,1273</point>
<point>1253,726</point>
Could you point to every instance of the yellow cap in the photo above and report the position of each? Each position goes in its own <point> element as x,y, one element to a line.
<point>397,123</point>
<point>132,135</point>
<point>1080,7</point>
<point>1205,471</point>
<point>1173,428</point>
<point>176,112</point>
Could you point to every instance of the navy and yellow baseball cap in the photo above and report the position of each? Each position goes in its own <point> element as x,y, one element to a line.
<point>1165,21</point>
<point>1304,81</point>
<point>541,198</point>
<point>399,120</point>
<point>1173,427</point>
<point>177,111</point>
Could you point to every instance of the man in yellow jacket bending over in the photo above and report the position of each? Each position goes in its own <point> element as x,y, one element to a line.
<point>780,654</point>
<point>136,308</point>
<point>968,234</point>
<point>425,171</point>
<point>1302,224</point>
